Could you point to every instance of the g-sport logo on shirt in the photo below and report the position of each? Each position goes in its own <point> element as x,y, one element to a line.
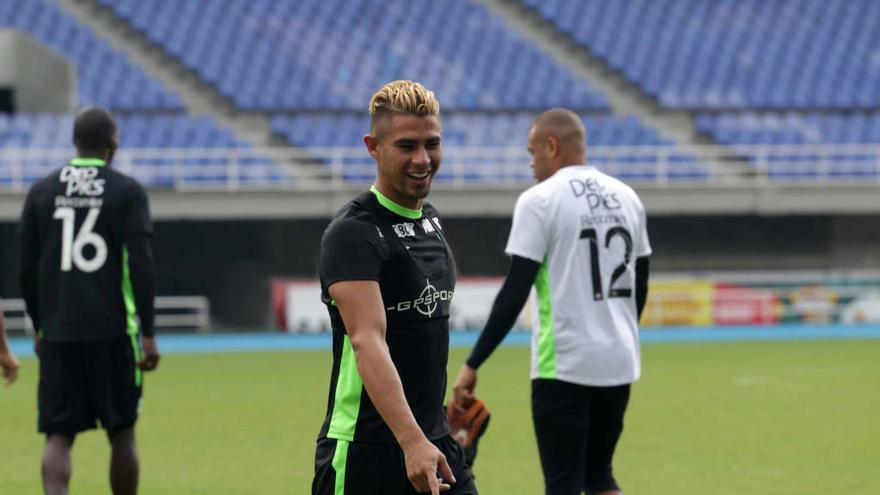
<point>427,301</point>
<point>82,181</point>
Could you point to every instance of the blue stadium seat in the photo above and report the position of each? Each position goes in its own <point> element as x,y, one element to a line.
<point>53,131</point>
<point>746,54</point>
<point>482,129</point>
<point>328,54</point>
<point>105,77</point>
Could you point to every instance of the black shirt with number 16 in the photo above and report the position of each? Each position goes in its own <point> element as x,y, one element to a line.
<point>73,244</point>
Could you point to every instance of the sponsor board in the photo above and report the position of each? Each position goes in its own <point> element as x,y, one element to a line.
<point>297,306</point>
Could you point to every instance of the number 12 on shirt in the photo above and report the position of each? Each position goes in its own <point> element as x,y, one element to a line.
<point>619,270</point>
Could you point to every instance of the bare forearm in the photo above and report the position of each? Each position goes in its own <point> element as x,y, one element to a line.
<point>4,343</point>
<point>383,385</point>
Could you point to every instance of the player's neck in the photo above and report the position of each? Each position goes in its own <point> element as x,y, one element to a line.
<point>392,202</point>
<point>92,155</point>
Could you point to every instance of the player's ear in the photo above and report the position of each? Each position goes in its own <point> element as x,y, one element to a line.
<point>372,145</point>
<point>111,149</point>
<point>552,146</point>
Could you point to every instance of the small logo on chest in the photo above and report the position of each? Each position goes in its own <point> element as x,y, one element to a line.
<point>404,229</point>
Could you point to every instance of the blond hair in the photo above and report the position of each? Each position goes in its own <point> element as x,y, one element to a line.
<point>402,97</point>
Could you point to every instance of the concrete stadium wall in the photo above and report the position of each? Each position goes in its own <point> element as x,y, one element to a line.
<point>232,262</point>
<point>40,79</point>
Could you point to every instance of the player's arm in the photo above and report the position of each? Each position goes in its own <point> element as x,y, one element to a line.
<point>8,362</point>
<point>507,306</point>
<point>28,264</point>
<point>641,284</point>
<point>360,305</point>
<point>143,285</point>
<point>138,229</point>
<point>528,241</point>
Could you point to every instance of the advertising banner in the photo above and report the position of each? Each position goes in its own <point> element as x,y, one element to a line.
<point>297,307</point>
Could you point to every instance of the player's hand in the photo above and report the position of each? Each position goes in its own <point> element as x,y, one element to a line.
<point>10,366</point>
<point>463,390</point>
<point>423,462</point>
<point>150,360</point>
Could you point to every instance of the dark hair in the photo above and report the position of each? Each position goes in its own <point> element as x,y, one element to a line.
<point>93,129</point>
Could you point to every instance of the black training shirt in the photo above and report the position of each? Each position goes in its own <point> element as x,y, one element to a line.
<point>405,251</point>
<point>74,261</point>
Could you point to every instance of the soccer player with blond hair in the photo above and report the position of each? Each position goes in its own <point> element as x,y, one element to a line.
<point>387,278</point>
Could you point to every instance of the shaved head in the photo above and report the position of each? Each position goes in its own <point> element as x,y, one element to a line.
<point>557,139</point>
<point>94,131</point>
<point>564,125</point>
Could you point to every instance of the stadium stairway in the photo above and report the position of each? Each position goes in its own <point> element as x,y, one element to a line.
<point>197,96</point>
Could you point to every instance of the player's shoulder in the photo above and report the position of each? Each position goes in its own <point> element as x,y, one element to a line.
<point>44,187</point>
<point>123,179</point>
<point>616,184</point>
<point>428,210</point>
<point>48,180</point>
<point>351,223</point>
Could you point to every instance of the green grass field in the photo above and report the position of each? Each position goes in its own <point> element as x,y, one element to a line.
<point>774,418</point>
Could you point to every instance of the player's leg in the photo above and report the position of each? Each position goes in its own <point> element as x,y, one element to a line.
<point>56,468</point>
<point>607,408</point>
<point>330,457</point>
<point>115,387</point>
<point>63,410</point>
<point>124,466</point>
<point>357,468</point>
<point>560,417</point>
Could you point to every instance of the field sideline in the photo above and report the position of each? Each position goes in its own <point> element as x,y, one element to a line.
<point>791,417</point>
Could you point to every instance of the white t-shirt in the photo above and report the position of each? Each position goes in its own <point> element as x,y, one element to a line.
<point>587,229</point>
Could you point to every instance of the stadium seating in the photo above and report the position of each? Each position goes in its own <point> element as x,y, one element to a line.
<point>105,77</point>
<point>847,158</point>
<point>332,54</point>
<point>53,132</point>
<point>790,128</point>
<point>50,131</point>
<point>461,129</point>
<point>749,54</point>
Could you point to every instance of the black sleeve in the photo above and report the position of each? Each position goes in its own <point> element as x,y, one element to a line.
<point>507,306</point>
<point>350,250</point>
<point>137,213</point>
<point>29,259</point>
<point>641,284</point>
<point>143,279</point>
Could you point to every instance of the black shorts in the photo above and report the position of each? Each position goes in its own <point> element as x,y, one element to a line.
<point>577,428</point>
<point>358,468</point>
<point>82,383</point>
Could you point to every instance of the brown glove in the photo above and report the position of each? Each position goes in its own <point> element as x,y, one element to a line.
<point>468,426</point>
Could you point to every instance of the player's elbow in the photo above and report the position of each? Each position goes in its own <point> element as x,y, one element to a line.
<point>368,347</point>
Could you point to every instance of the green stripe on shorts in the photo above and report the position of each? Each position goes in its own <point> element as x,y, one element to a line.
<point>340,457</point>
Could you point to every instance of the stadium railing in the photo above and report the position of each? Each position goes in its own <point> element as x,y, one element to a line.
<point>234,169</point>
<point>172,313</point>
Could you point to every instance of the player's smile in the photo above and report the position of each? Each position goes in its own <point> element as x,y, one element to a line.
<point>419,179</point>
<point>408,155</point>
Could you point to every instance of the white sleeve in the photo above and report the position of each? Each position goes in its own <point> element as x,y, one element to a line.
<point>529,234</point>
<point>643,245</point>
